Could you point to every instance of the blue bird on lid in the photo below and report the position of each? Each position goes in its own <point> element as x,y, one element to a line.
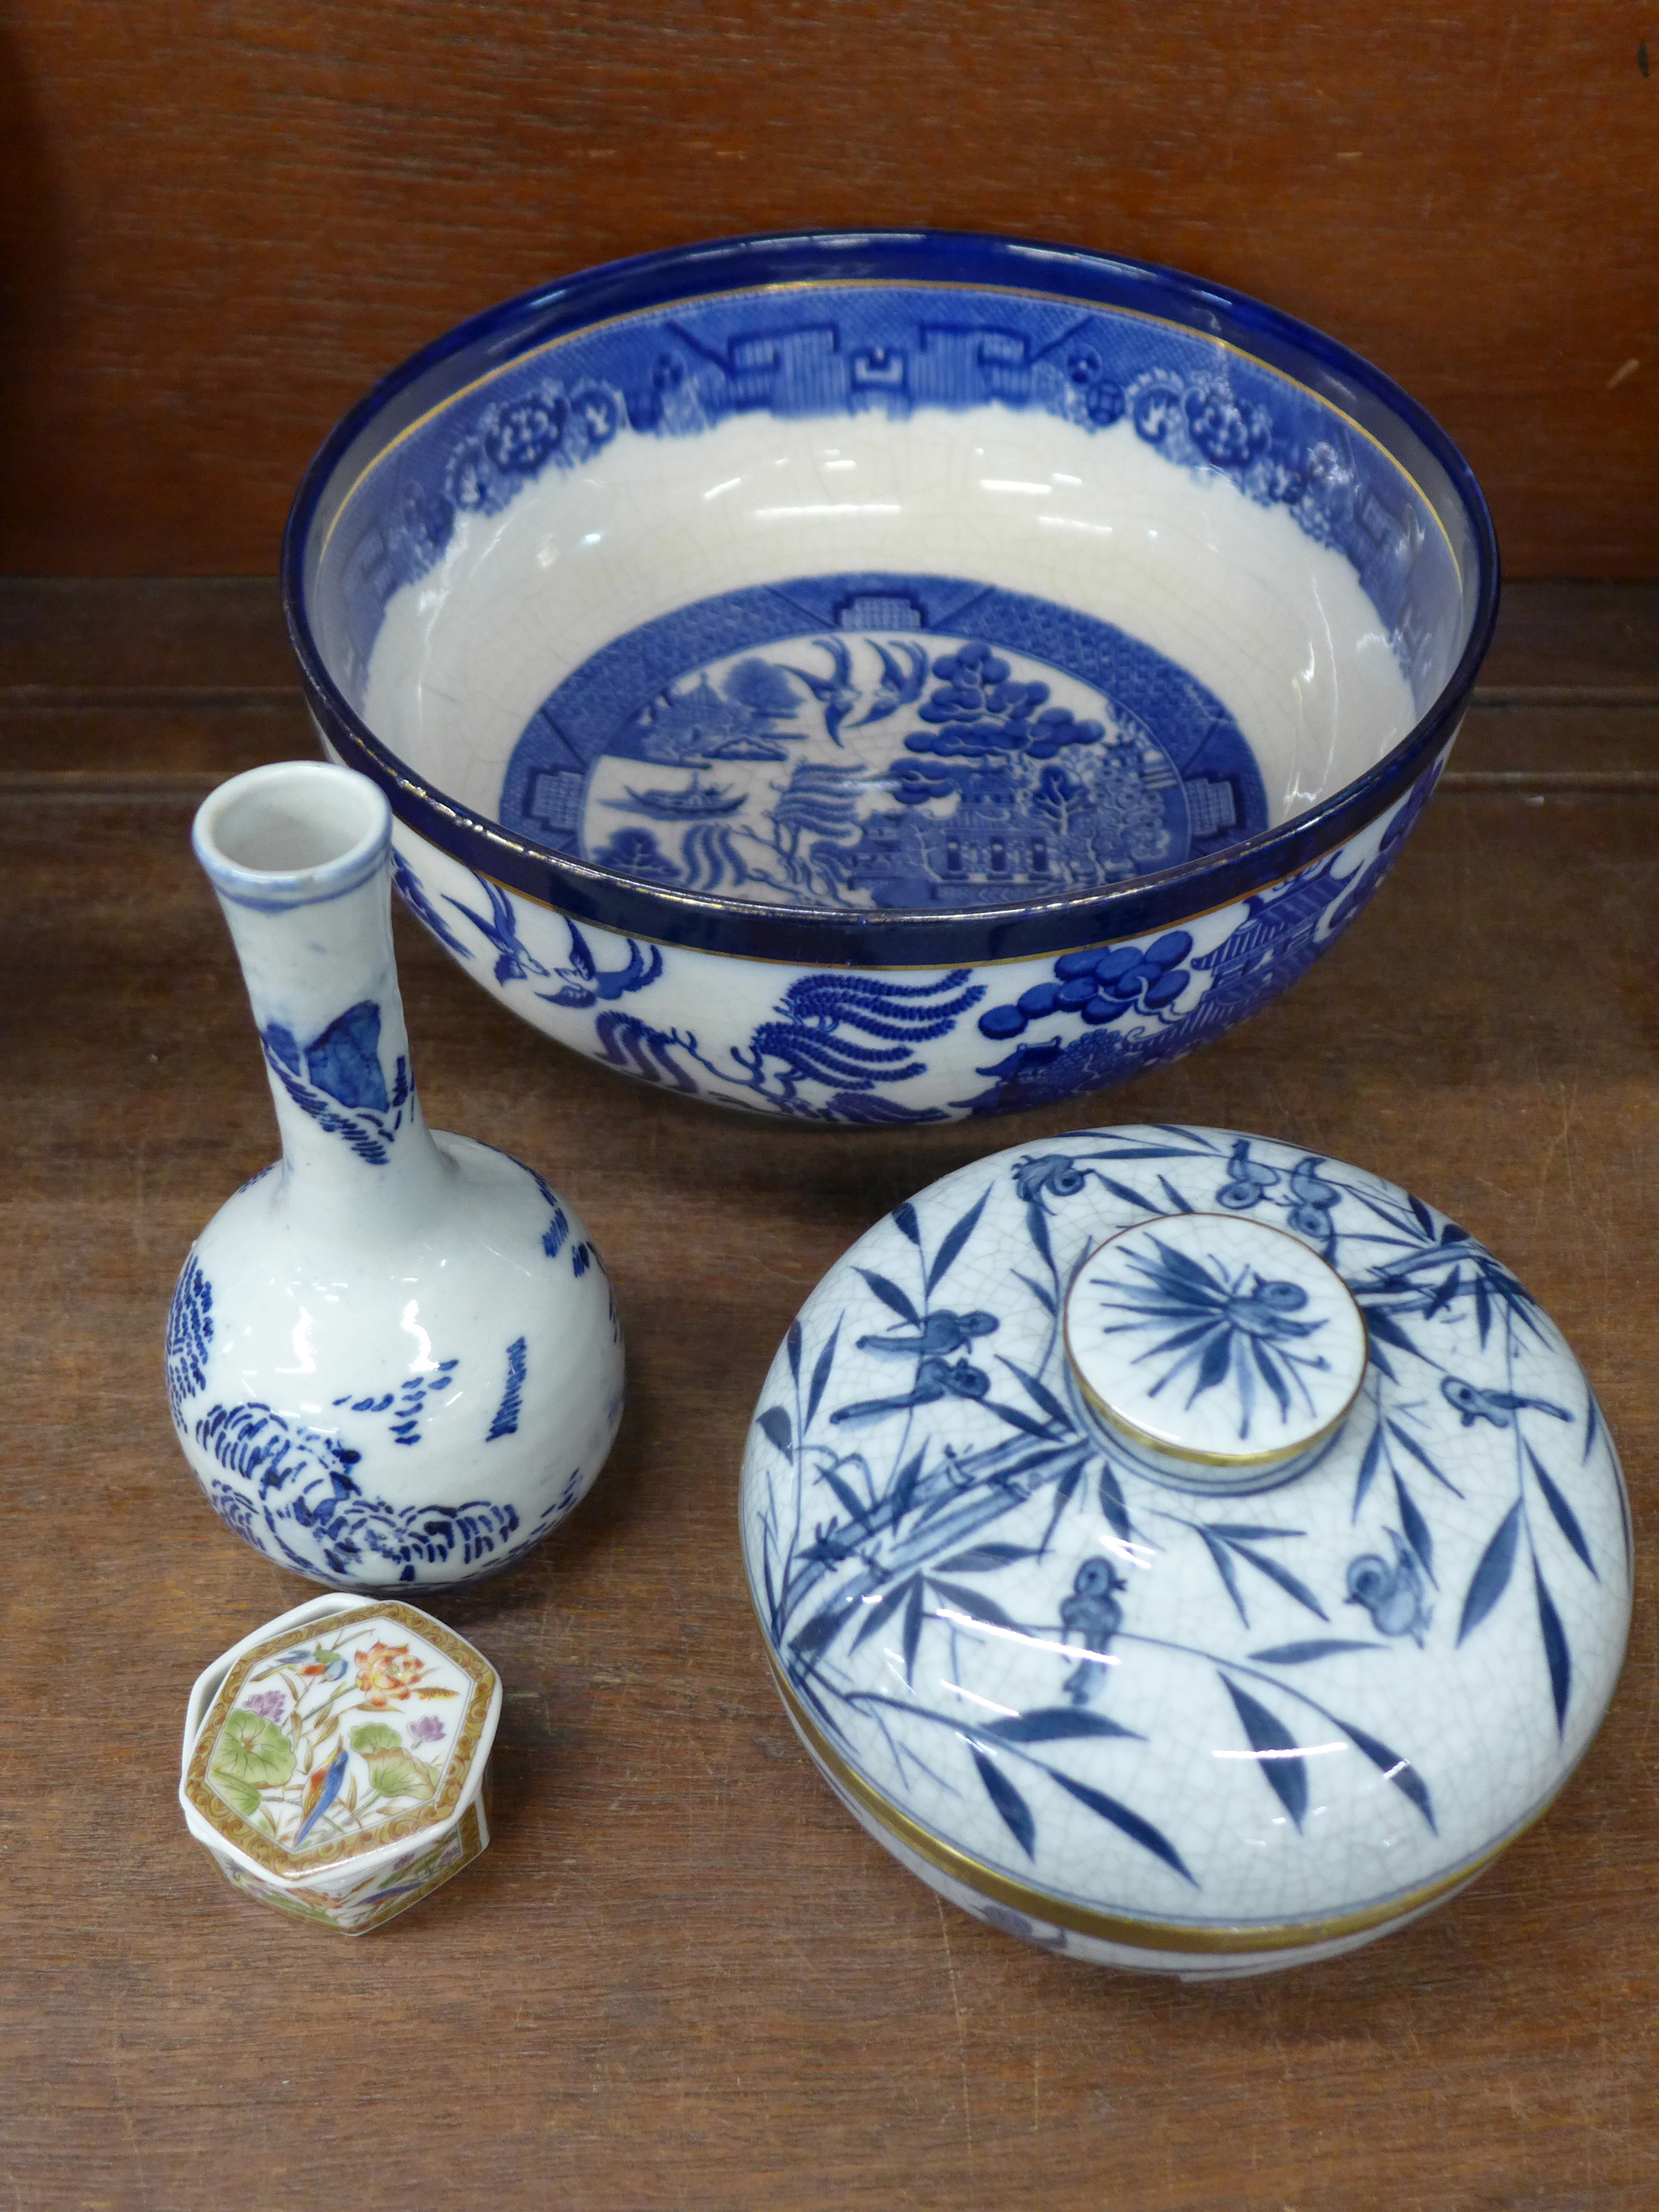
<point>1091,1617</point>
<point>940,1333</point>
<point>1394,1596</point>
<point>1494,1405</point>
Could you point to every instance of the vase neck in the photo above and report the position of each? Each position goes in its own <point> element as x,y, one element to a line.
<point>298,854</point>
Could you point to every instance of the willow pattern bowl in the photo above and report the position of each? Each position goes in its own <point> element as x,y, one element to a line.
<point>887,677</point>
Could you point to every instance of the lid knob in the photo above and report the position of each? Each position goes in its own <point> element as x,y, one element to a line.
<point>1220,1349</point>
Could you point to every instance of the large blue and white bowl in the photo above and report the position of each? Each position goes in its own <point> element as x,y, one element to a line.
<point>889,677</point>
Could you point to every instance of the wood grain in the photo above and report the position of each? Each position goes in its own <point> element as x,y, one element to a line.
<point>682,1977</point>
<point>221,224</point>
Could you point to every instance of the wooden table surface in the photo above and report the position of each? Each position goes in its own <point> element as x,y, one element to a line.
<point>681,1976</point>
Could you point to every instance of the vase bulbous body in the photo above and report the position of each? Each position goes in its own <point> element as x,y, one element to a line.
<point>393,1358</point>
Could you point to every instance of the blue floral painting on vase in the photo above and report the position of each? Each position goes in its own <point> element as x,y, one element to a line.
<point>337,1079</point>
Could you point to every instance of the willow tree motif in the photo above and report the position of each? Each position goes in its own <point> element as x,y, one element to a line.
<point>856,1032</point>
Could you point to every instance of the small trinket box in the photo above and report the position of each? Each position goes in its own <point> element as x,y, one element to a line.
<point>1184,1551</point>
<point>334,1760</point>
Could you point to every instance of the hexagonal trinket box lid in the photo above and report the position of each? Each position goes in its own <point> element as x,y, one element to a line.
<point>334,1760</point>
<point>1183,1550</point>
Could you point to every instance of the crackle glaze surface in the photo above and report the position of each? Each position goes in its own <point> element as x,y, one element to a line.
<point>393,1358</point>
<point>716,609</point>
<point>1142,1723</point>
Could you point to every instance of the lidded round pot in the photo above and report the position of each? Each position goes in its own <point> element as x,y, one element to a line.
<point>334,1761</point>
<point>1185,1551</point>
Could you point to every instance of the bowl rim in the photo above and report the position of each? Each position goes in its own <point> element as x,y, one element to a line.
<point>926,938</point>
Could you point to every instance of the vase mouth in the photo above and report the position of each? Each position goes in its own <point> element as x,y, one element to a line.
<point>292,833</point>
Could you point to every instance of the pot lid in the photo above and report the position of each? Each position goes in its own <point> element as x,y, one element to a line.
<point>1187,1538</point>
<point>341,1738</point>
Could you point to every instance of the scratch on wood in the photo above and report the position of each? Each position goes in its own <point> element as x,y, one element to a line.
<point>139,1238</point>
<point>962,2032</point>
